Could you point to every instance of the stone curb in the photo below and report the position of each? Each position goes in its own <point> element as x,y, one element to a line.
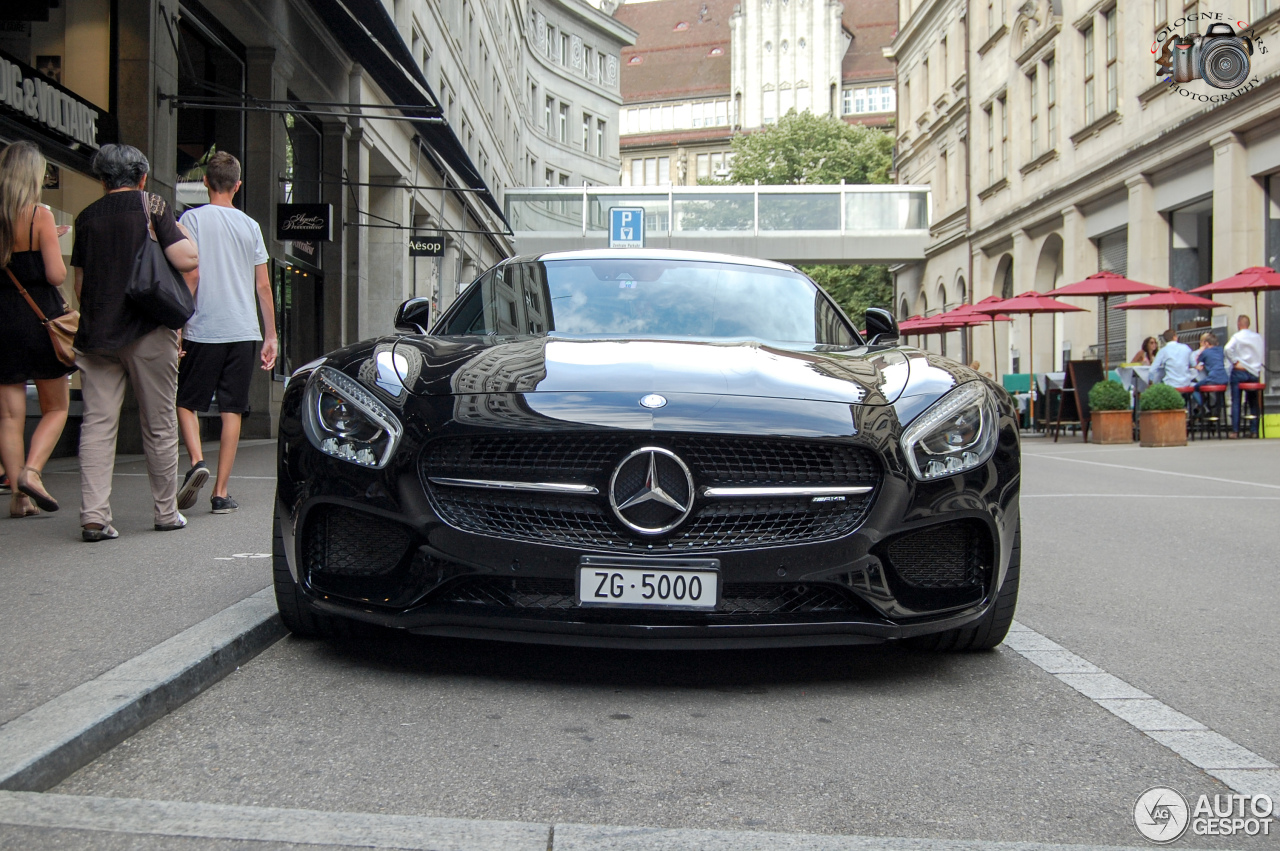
<point>41,748</point>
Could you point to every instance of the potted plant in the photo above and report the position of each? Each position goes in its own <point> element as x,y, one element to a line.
<point>1164,417</point>
<point>1110,413</point>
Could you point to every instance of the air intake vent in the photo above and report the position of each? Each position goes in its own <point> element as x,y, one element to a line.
<point>344,542</point>
<point>952,555</point>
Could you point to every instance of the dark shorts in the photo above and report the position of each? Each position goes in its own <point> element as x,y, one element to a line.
<point>224,368</point>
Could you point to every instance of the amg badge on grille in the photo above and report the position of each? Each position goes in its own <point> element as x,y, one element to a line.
<point>651,490</point>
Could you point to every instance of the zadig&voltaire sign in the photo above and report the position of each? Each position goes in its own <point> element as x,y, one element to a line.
<point>25,91</point>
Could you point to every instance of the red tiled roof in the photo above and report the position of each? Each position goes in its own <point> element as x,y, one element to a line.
<point>873,23</point>
<point>676,62</point>
<point>677,137</point>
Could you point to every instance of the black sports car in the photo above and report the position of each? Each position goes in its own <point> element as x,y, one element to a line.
<point>648,448</point>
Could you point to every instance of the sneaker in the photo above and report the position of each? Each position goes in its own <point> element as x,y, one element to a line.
<point>106,533</point>
<point>191,485</point>
<point>181,523</point>
<point>4,485</point>
<point>223,504</point>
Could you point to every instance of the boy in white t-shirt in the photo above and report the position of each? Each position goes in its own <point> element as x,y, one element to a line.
<point>221,339</point>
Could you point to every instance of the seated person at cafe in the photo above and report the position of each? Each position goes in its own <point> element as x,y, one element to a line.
<point>1172,364</point>
<point>1210,362</point>
<point>1150,347</point>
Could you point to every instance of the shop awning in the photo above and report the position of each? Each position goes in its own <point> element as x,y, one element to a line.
<point>368,33</point>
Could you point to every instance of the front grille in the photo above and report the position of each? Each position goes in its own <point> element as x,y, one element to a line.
<point>549,595</point>
<point>952,555</point>
<point>342,542</point>
<point>588,522</point>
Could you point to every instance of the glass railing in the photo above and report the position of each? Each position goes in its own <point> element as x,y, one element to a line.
<point>841,209</point>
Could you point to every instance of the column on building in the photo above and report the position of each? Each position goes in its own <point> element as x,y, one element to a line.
<point>1238,237</point>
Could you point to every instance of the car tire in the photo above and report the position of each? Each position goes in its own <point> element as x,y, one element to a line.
<point>298,617</point>
<point>987,632</point>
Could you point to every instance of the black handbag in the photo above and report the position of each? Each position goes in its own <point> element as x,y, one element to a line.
<point>155,287</point>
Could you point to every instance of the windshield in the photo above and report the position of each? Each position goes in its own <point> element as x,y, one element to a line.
<point>649,298</point>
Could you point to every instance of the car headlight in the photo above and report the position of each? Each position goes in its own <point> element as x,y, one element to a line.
<point>957,433</point>
<point>344,420</point>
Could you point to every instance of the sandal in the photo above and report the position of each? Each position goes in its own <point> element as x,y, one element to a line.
<point>92,532</point>
<point>36,491</point>
<point>20,506</point>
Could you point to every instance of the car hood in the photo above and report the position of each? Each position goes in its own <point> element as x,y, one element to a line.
<point>868,375</point>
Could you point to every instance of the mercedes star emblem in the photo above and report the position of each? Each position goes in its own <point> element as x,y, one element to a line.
<point>653,400</point>
<point>651,490</point>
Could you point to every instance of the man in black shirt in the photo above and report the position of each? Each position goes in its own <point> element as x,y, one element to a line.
<point>116,340</point>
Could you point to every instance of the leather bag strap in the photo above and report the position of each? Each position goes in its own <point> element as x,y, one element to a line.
<point>35,307</point>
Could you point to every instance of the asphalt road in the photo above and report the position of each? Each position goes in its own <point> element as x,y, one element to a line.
<point>1158,566</point>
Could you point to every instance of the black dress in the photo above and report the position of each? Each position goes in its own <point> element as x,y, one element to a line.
<point>26,352</point>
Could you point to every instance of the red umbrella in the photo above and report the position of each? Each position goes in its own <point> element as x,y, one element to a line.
<point>968,313</point>
<point>1103,284</point>
<point>1169,300</point>
<point>1030,303</point>
<point>1254,280</point>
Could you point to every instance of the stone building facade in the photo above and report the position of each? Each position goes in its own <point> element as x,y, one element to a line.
<point>1054,151</point>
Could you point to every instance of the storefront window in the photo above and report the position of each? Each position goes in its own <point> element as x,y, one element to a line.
<point>299,281</point>
<point>209,65</point>
<point>55,90</point>
<point>1191,258</point>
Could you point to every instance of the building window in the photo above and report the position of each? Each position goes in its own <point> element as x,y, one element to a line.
<point>942,176</point>
<point>586,133</point>
<point>564,49</point>
<point>1051,101</point>
<point>904,105</point>
<point>600,137</point>
<point>991,144</point>
<point>1113,68</point>
<point>550,109</point>
<point>704,166</point>
<point>924,74</point>
<point>991,18</point>
<point>564,180</point>
<point>1089,109</point>
<point>589,65</point>
<point>1162,12</point>
<point>846,102</point>
<point>1262,8</point>
<point>551,177</point>
<point>600,65</point>
<point>564,123</point>
<point>1191,12</point>
<point>651,171</point>
<point>637,172</point>
<point>886,99</point>
<point>944,65</point>
<point>1004,137</point>
<point>1033,90</point>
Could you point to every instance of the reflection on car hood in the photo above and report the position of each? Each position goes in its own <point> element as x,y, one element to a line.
<point>559,364</point>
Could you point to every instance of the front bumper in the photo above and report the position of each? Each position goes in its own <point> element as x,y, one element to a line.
<point>440,580</point>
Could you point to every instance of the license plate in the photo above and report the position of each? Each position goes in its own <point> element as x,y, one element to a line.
<point>689,584</point>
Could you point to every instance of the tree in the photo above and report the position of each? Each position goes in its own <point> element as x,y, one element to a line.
<point>855,288</point>
<point>803,148</point>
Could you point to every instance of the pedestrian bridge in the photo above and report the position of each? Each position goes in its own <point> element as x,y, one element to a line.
<point>839,224</point>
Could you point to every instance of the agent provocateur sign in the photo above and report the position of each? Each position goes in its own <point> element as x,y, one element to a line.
<point>304,222</point>
<point>29,95</point>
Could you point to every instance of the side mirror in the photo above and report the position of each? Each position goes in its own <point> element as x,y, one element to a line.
<point>414,316</point>
<point>881,326</point>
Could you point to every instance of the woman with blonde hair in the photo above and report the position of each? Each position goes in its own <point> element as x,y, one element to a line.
<point>30,257</point>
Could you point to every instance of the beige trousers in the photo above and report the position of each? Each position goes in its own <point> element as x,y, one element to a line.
<point>151,364</point>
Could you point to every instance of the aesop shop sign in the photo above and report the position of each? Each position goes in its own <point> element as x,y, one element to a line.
<point>304,222</point>
<point>33,98</point>
<point>426,246</point>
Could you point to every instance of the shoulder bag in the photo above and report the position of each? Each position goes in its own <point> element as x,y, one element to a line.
<point>62,329</point>
<point>155,287</point>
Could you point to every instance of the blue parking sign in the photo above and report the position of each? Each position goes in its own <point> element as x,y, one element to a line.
<point>626,227</point>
